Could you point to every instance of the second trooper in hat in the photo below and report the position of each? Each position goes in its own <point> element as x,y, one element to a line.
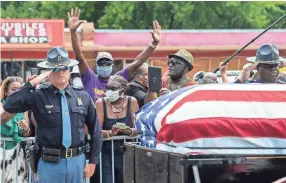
<point>267,62</point>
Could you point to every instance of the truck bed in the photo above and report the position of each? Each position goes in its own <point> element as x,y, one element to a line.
<point>146,165</point>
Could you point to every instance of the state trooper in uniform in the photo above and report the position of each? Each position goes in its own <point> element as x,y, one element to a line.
<point>61,112</point>
<point>267,62</point>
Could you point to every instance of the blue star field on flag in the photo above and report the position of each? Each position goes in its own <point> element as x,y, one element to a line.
<point>144,118</point>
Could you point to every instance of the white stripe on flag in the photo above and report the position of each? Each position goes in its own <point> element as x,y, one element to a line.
<point>235,142</point>
<point>243,87</point>
<point>162,113</point>
<point>208,109</point>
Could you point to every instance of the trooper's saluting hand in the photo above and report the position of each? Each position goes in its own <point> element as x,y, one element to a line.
<point>61,112</point>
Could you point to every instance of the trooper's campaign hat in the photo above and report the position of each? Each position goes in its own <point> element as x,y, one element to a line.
<point>267,54</point>
<point>57,56</point>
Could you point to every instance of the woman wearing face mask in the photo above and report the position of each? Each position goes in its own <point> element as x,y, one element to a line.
<point>115,108</point>
<point>15,126</point>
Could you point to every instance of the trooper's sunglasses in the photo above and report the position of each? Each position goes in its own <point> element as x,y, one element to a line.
<point>60,68</point>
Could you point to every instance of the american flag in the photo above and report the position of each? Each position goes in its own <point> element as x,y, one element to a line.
<point>215,116</point>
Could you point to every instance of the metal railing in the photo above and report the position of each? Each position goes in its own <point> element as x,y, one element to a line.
<point>32,178</point>
<point>3,159</point>
<point>112,139</point>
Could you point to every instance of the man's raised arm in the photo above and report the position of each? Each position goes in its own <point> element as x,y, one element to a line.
<point>74,23</point>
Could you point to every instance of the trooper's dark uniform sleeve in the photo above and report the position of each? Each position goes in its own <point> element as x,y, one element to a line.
<point>95,133</point>
<point>22,100</point>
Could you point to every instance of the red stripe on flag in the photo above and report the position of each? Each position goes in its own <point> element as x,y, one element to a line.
<point>227,95</point>
<point>222,127</point>
<point>249,96</point>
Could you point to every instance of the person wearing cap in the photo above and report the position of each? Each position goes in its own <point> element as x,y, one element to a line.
<point>179,65</point>
<point>60,112</point>
<point>96,85</point>
<point>266,61</point>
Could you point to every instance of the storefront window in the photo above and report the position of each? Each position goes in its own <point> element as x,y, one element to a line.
<point>19,68</point>
<point>117,66</point>
<point>28,65</point>
<point>128,62</point>
<point>11,69</point>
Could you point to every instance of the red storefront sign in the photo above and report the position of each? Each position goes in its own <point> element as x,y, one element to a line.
<point>31,33</point>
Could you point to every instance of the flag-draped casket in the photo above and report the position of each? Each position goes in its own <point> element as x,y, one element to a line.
<point>216,116</point>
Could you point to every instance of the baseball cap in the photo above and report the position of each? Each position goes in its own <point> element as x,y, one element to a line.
<point>102,55</point>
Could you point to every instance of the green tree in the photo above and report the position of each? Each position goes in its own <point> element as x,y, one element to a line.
<point>91,11</point>
<point>191,15</point>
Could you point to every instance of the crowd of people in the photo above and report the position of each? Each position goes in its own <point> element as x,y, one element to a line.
<point>70,100</point>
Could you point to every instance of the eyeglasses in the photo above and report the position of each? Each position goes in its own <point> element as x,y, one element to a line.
<point>173,62</point>
<point>60,68</point>
<point>113,88</point>
<point>104,63</point>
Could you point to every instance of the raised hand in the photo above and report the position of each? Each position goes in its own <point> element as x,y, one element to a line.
<point>222,68</point>
<point>30,78</point>
<point>156,33</point>
<point>245,74</point>
<point>38,79</point>
<point>74,21</point>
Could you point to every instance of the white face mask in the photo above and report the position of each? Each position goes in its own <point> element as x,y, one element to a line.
<point>112,96</point>
<point>76,82</point>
